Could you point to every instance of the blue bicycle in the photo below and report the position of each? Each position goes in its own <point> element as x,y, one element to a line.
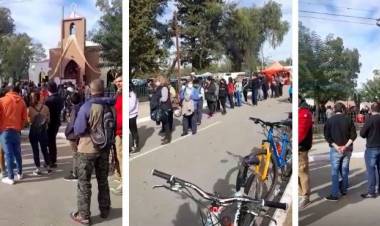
<point>258,171</point>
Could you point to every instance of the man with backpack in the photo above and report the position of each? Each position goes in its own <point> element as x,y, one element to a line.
<point>95,126</point>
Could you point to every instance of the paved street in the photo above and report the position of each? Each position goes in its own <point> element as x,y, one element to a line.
<point>208,159</point>
<point>349,210</point>
<point>48,200</point>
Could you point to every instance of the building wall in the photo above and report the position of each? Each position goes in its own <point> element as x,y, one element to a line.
<point>35,68</point>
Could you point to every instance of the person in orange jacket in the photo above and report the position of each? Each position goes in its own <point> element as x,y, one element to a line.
<point>13,119</point>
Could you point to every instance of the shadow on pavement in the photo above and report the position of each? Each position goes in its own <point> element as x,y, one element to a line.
<point>186,217</point>
<point>283,100</point>
<point>315,212</point>
<point>144,133</point>
<point>114,214</point>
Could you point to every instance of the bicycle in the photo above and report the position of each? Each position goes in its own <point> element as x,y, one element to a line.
<point>246,209</point>
<point>275,153</point>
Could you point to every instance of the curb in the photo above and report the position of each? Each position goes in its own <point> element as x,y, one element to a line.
<point>280,215</point>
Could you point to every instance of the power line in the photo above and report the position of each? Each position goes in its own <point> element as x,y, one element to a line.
<point>336,20</point>
<point>339,15</point>
<point>336,6</point>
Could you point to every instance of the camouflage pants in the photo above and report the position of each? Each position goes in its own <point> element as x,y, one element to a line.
<point>87,162</point>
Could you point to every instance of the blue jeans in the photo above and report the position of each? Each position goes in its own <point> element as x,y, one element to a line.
<point>340,165</point>
<point>372,160</point>
<point>10,140</point>
<point>199,111</point>
<point>238,98</point>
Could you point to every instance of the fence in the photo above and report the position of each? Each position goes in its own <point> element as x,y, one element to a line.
<point>358,118</point>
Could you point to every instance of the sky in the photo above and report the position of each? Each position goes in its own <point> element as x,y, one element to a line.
<point>283,51</point>
<point>41,19</point>
<point>361,36</point>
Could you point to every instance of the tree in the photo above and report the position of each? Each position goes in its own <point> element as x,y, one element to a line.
<point>109,34</point>
<point>327,70</point>
<point>149,39</point>
<point>38,52</point>
<point>6,22</point>
<point>16,57</point>
<point>371,89</point>
<point>246,30</point>
<point>200,24</point>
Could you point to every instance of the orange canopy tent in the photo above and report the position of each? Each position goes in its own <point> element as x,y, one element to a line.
<point>276,68</point>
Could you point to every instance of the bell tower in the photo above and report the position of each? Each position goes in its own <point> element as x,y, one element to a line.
<point>73,44</point>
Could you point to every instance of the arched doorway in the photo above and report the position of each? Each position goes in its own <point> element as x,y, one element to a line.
<point>72,71</point>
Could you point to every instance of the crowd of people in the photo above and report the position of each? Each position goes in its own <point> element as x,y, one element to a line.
<point>93,130</point>
<point>340,132</point>
<point>187,102</point>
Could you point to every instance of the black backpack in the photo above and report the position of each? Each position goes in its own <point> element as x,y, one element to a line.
<point>103,136</point>
<point>39,123</point>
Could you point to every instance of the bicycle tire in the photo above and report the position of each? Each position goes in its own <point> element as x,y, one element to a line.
<point>287,170</point>
<point>266,191</point>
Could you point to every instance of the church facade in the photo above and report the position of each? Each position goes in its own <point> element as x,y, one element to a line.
<point>76,59</point>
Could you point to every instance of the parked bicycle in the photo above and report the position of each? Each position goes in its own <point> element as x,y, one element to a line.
<point>246,208</point>
<point>258,171</point>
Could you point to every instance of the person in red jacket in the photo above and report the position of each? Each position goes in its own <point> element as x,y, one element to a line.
<point>231,91</point>
<point>119,132</point>
<point>305,140</point>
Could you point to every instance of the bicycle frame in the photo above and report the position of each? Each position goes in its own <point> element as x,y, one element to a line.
<point>265,158</point>
<point>280,157</point>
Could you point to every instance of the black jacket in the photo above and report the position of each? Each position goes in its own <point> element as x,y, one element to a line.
<point>223,90</point>
<point>55,105</point>
<point>371,131</point>
<point>155,102</point>
<point>339,129</point>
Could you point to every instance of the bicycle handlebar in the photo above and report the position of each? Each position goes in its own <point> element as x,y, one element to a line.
<point>271,124</point>
<point>174,180</point>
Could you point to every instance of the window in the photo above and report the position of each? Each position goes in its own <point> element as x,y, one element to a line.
<point>73,29</point>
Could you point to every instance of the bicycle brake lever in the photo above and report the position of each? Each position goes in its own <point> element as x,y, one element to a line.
<point>160,186</point>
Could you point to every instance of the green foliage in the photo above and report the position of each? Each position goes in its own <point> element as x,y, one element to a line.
<point>148,38</point>
<point>200,24</point>
<point>6,22</point>
<point>16,50</point>
<point>371,89</point>
<point>109,34</point>
<point>16,54</point>
<point>327,70</point>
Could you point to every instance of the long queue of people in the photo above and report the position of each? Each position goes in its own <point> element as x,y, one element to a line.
<point>166,102</point>
<point>93,128</point>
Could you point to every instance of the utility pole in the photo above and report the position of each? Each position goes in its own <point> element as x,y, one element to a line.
<point>62,35</point>
<point>178,49</point>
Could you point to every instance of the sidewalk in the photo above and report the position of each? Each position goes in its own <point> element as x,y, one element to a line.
<point>322,212</point>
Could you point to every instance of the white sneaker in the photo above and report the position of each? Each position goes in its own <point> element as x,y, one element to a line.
<point>19,176</point>
<point>37,172</point>
<point>6,180</point>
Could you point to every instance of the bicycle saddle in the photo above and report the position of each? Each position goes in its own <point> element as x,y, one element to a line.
<point>251,159</point>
